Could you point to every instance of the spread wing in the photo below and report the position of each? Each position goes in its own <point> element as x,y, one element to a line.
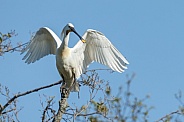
<point>97,48</point>
<point>44,42</point>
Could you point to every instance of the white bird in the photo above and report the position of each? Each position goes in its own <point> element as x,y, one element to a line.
<point>72,62</point>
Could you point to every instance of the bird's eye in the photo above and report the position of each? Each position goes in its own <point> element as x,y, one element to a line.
<point>70,27</point>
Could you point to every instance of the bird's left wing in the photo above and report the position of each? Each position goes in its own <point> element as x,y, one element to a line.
<point>44,42</point>
<point>98,48</point>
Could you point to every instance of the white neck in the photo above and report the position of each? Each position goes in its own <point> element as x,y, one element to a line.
<point>65,41</point>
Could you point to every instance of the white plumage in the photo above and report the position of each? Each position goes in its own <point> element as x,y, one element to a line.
<point>72,62</point>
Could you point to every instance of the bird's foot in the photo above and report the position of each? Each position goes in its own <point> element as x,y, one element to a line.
<point>65,93</point>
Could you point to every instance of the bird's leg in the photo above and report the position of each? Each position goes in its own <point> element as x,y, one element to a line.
<point>63,84</point>
<point>73,85</point>
<point>73,82</point>
<point>64,92</point>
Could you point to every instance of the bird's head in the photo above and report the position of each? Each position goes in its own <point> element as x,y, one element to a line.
<point>70,28</point>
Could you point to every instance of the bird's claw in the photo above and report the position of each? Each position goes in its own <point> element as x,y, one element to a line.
<point>65,93</point>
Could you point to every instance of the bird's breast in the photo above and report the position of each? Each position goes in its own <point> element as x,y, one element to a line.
<point>65,53</point>
<point>64,61</point>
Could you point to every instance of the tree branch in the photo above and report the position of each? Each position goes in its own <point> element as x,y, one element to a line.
<point>85,114</point>
<point>63,104</point>
<point>168,115</point>
<point>2,108</point>
<point>46,109</point>
<point>13,49</point>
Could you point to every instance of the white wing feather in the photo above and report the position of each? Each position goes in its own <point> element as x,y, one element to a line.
<point>97,48</point>
<point>44,42</point>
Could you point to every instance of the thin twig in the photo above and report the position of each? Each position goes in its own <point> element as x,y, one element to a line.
<point>8,111</point>
<point>92,70</point>
<point>46,109</point>
<point>84,114</point>
<point>168,115</point>
<point>13,49</point>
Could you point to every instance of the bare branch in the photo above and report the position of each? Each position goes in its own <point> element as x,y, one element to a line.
<point>84,114</point>
<point>6,43</point>
<point>168,115</point>
<point>46,109</point>
<point>15,48</point>
<point>63,104</point>
<point>28,92</point>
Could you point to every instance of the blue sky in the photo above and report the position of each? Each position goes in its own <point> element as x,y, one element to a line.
<point>148,33</point>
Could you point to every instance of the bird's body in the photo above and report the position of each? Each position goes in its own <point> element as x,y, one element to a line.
<point>72,62</point>
<point>65,65</point>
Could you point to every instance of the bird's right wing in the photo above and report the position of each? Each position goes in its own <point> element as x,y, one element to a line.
<point>100,49</point>
<point>44,42</point>
<point>97,48</point>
